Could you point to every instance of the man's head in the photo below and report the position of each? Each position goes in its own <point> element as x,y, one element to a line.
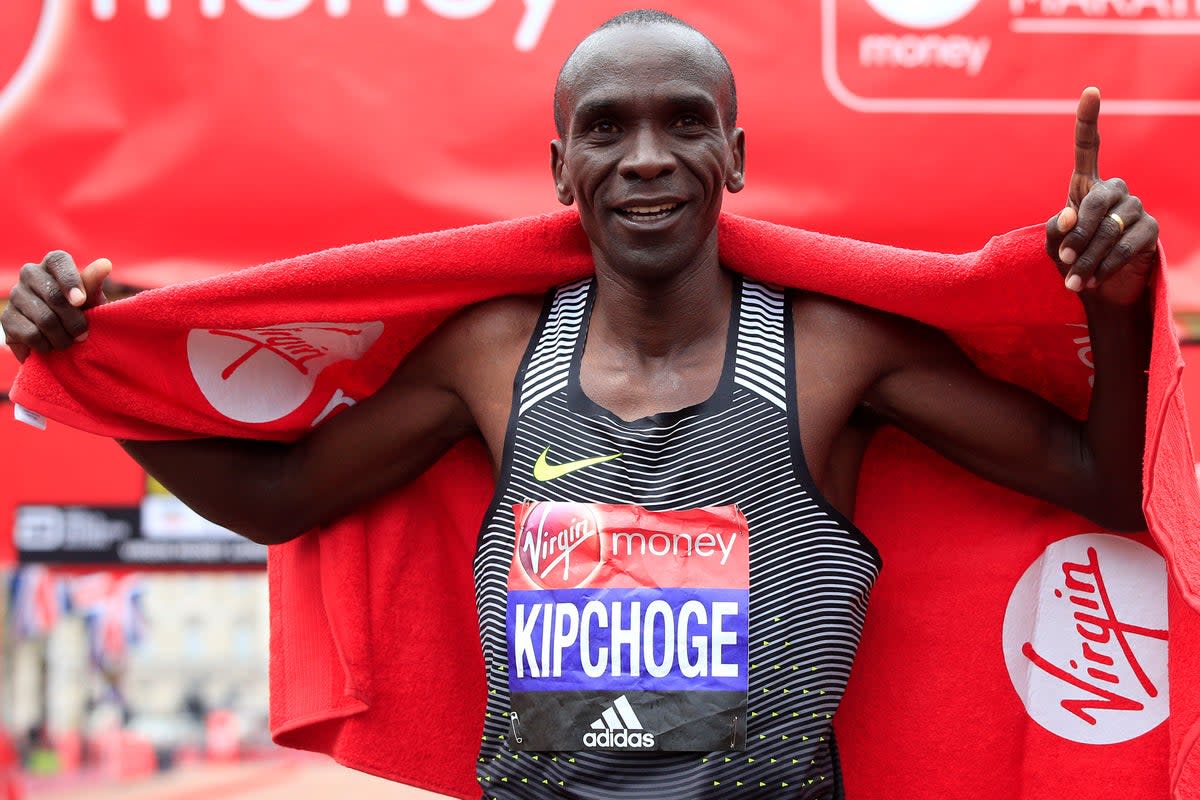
<point>646,111</point>
<point>638,17</point>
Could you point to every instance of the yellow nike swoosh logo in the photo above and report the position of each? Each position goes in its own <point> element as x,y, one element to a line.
<point>545,471</point>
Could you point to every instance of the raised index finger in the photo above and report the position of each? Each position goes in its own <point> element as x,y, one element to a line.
<point>1087,134</point>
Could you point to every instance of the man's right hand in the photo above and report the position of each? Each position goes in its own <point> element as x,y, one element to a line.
<point>45,308</point>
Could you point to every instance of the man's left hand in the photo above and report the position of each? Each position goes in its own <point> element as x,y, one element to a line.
<point>1104,242</point>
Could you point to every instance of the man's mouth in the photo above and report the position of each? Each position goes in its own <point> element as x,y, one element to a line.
<point>649,213</point>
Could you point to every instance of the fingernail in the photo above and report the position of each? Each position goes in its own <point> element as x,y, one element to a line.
<point>1063,227</point>
<point>76,297</point>
<point>1066,255</point>
<point>1092,282</point>
<point>82,337</point>
<point>1074,283</point>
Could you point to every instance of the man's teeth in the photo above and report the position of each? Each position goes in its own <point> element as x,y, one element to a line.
<point>649,212</point>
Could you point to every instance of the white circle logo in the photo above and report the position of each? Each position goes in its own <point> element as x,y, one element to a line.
<point>927,14</point>
<point>263,374</point>
<point>1085,639</point>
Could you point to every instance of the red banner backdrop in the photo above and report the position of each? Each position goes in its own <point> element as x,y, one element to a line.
<point>185,137</point>
<point>180,137</point>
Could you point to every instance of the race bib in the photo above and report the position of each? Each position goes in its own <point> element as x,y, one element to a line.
<point>627,628</point>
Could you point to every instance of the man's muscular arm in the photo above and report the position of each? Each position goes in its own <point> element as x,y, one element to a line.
<point>455,384</point>
<point>1105,246</point>
<point>271,492</point>
<point>928,388</point>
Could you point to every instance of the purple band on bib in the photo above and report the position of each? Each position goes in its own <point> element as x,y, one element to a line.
<point>682,639</point>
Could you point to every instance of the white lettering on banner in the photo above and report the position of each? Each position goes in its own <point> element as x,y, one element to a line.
<point>38,33</point>
<point>528,33</point>
<point>274,9</point>
<point>927,14</point>
<point>533,22</point>
<point>675,545</point>
<point>1085,639</point>
<point>686,637</point>
<point>912,51</point>
<point>458,9</point>
<point>960,56</point>
<point>1166,9</point>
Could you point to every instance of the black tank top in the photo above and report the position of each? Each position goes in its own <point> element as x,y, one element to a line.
<point>810,573</point>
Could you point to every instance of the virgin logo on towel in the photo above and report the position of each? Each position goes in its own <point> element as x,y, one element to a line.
<point>1085,639</point>
<point>263,374</point>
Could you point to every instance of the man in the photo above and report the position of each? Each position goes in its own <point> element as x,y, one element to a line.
<point>618,387</point>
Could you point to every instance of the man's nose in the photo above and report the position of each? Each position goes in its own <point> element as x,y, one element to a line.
<point>648,156</point>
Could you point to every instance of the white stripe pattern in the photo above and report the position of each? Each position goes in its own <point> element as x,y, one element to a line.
<point>811,571</point>
<point>761,343</point>
<point>549,366</point>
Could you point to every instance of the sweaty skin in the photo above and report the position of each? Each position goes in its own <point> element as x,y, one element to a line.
<point>647,150</point>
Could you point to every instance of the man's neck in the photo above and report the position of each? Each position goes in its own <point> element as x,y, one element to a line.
<point>665,318</point>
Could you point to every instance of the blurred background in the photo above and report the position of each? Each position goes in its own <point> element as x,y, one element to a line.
<point>185,138</point>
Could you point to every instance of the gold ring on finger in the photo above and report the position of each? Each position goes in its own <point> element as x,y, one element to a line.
<point>1115,217</point>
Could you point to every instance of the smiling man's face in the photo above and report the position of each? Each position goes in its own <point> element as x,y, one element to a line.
<point>648,147</point>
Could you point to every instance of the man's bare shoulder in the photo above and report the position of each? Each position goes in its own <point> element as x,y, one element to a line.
<point>479,346</point>
<point>470,345</point>
<point>827,316</point>
<point>823,315</point>
<point>497,324</point>
<point>479,352</point>
<point>846,330</point>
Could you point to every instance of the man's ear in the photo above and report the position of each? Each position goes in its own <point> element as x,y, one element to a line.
<point>558,167</point>
<point>735,181</point>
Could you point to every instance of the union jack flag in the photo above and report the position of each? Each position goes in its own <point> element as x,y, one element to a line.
<point>113,613</point>
<point>111,607</point>
<point>37,601</point>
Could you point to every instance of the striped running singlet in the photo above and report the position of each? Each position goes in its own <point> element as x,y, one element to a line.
<point>810,575</point>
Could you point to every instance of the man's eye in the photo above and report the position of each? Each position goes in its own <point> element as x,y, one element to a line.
<point>688,121</point>
<point>603,127</point>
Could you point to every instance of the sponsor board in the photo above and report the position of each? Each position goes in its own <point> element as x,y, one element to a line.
<point>972,56</point>
<point>53,534</point>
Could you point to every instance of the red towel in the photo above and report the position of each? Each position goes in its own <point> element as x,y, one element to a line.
<point>375,657</point>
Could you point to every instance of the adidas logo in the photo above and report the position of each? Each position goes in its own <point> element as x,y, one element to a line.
<point>619,727</point>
